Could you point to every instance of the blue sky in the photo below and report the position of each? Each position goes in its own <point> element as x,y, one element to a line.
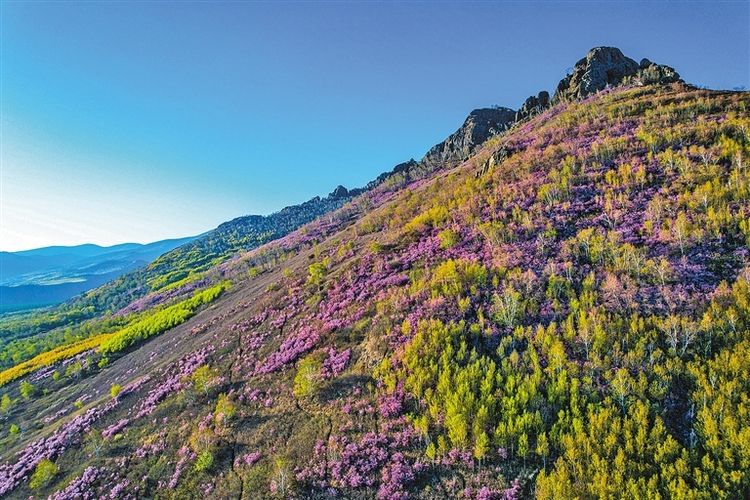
<point>139,121</point>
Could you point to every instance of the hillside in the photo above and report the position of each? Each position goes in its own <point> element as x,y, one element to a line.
<point>557,309</point>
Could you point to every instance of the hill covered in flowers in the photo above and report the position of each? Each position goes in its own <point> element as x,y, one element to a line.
<point>565,313</point>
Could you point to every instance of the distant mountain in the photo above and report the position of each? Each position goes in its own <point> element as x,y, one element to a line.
<point>86,250</point>
<point>51,275</point>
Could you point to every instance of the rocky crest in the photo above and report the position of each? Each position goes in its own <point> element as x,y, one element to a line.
<point>607,67</point>
<point>533,106</point>
<point>339,192</point>
<point>480,125</point>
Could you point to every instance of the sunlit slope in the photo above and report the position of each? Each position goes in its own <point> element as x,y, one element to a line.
<point>564,315</point>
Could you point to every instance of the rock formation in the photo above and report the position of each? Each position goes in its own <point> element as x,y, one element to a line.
<point>339,192</point>
<point>607,67</point>
<point>480,125</point>
<point>533,106</point>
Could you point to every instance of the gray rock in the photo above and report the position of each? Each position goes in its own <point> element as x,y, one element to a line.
<point>657,74</point>
<point>602,67</point>
<point>496,158</point>
<point>339,192</point>
<point>607,67</point>
<point>480,125</point>
<point>533,106</point>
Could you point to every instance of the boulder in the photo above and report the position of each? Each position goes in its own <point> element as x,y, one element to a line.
<point>339,192</point>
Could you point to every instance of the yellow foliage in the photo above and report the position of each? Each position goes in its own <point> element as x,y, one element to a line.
<point>51,357</point>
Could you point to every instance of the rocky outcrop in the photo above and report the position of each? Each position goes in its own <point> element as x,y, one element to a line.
<point>480,125</point>
<point>533,106</point>
<point>652,73</point>
<point>607,67</point>
<point>339,192</point>
<point>497,157</point>
<point>603,67</point>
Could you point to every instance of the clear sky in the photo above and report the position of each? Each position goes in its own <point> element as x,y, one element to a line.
<point>143,120</point>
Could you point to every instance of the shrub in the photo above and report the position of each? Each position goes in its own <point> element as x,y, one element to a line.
<point>75,370</point>
<point>27,389</point>
<point>204,378</point>
<point>44,473</point>
<point>115,390</point>
<point>6,405</point>
<point>225,410</point>
<point>308,376</point>
<point>205,461</point>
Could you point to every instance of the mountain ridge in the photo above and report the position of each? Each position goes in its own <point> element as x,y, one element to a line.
<point>567,303</point>
<point>51,275</point>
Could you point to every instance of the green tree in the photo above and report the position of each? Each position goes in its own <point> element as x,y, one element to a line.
<point>75,370</point>
<point>224,411</point>
<point>6,405</point>
<point>542,447</point>
<point>507,307</point>
<point>27,389</point>
<point>317,271</point>
<point>95,442</point>
<point>481,446</point>
<point>44,473</point>
<point>203,379</point>
<point>308,376</point>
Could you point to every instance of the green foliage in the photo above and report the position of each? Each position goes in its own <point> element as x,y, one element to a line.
<point>508,307</point>
<point>43,475</point>
<point>27,389</point>
<point>448,238</point>
<point>318,270</point>
<point>159,321</point>
<point>225,410</point>
<point>74,370</point>
<point>453,277</point>
<point>307,379</point>
<point>6,405</point>
<point>204,378</point>
<point>204,461</point>
<point>115,390</point>
<point>14,429</point>
<point>94,442</point>
<point>434,217</point>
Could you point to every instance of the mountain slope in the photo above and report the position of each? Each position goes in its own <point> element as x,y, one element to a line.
<point>563,315</point>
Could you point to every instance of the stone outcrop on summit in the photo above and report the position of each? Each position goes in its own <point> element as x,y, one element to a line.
<point>607,67</point>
